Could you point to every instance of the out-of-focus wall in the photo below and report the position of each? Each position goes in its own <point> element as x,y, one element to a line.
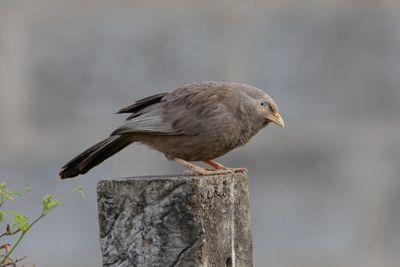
<point>324,190</point>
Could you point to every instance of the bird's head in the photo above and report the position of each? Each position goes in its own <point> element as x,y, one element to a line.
<point>255,105</point>
<point>268,109</point>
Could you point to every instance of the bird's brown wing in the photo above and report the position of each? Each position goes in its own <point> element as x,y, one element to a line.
<point>199,108</point>
<point>189,110</point>
<point>150,120</point>
<point>139,105</point>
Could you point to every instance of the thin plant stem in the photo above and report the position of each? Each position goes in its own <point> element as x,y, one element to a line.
<point>21,237</point>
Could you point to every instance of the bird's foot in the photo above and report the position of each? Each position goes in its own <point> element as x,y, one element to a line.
<point>238,170</point>
<point>218,166</point>
<point>202,171</point>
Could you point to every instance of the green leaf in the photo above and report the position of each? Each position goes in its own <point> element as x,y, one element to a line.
<point>3,187</point>
<point>1,216</point>
<point>79,190</point>
<point>49,204</point>
<point>20,221</point>
<point>46,200</point>
<point>6,193</point>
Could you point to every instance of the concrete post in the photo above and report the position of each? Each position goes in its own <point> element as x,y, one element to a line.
<point>175,221</point>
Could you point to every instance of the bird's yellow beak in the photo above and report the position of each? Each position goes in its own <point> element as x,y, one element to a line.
<point>275,118</point>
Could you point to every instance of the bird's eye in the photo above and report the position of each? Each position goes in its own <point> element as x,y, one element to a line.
<point>263,103</point>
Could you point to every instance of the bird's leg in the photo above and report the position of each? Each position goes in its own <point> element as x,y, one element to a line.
<point>196,170</point>
<point>218,166</point>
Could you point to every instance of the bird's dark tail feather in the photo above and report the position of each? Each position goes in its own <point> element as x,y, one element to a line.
<point>93,156</point>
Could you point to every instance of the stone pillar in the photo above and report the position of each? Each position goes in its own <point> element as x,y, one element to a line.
<point>175,221</point>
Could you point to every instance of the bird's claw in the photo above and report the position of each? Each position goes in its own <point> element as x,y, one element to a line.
<point>215,171</point>
<point>208,172</point>
<point>239,170</point>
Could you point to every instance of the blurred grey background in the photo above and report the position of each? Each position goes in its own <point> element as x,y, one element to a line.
<point>325,191</point>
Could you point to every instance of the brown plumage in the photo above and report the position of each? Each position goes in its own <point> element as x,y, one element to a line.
<point>196,122</point>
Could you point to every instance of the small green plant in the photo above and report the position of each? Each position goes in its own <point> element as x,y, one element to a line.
<point>19,224</point>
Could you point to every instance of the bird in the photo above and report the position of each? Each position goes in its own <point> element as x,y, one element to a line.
<point>195,122</point>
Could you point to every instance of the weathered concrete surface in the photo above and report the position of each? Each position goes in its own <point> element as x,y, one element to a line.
<point>175,221</point>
